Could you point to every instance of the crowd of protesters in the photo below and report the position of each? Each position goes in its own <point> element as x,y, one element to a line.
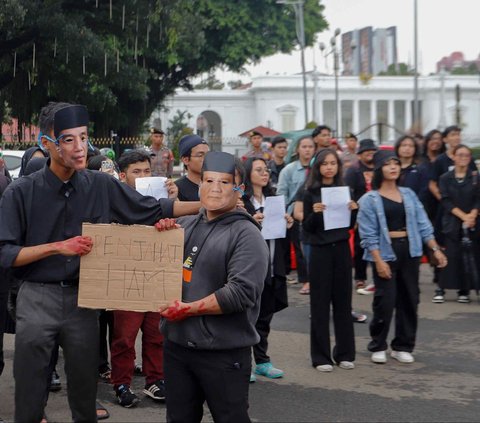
<point>404,203</point>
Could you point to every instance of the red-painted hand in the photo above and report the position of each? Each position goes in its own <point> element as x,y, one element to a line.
<point>166,224</point>
<point>77,246</point>
<point>175,311</point>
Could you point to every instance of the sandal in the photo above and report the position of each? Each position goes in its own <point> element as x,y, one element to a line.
<point>102,412</point>
<point>105,374</point>
<point>304,291</point>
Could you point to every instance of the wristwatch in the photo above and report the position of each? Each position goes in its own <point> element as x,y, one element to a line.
<point>435,249</point>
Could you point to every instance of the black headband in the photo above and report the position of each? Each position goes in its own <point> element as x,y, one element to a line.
<point>72,116</point>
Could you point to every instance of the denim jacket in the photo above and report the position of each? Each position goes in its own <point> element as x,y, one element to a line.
<point>291,178</point>
<point>373,229</point>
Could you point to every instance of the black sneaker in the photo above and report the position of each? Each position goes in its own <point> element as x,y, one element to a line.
<point>55,384</point>
<point>155,390</point>
<point>125,396</point>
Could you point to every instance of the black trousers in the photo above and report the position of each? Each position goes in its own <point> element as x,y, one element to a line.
<point>220,377</point>
<point>3,319</point>
<point>263,328</point>
<point>400,293</point>
<point>331,283</point>
<point>360,265</point>
<point>105,320</point>
<point>47,315</point>
<point>294,236</point>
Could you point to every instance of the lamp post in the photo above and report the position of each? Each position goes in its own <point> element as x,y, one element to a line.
<point>415,61</point>
<point>336,67</point>
<point>300,29</point>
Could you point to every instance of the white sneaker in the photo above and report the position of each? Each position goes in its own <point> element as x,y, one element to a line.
<point>368,290</point>
<point>402,356</point>
<point>379,357</point>
<point>346,365</point>
<point>325,368</point>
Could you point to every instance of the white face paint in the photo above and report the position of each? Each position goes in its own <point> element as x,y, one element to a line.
<point>71,148</point>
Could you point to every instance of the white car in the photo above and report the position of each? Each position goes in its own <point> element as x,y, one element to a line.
<point>13,161</point>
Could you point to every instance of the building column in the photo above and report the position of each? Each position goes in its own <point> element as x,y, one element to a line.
<point>408,116</point>
<point>391,120</point>
<point>321,120</point>
<point>340,126</point>
<point>356,116</point>
<point>373,119</point>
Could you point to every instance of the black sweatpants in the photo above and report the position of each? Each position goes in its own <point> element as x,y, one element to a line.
<point>359,265</point>
<point>220,377</point>
<point>401,293</point>
<point>331,283</point>
<point>47,315</point>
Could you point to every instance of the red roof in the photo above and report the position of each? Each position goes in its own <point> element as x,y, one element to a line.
<point>266,132</point>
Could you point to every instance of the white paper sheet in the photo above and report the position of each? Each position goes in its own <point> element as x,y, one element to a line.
<point>274,224</point>
<point>153,186</point>
<point>337,214</point>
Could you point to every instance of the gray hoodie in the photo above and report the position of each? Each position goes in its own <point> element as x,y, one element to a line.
<point>233,264</point>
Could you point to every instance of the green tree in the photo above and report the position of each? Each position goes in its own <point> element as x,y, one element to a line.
<point>210,82</point>
<point>177,128</point>
<point>401,69</point>
<point>471,69</point>
<point>57,50</point>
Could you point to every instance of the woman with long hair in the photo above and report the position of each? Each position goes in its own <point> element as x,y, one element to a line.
<point>330,269</point>
<point>461,202</point>
<point>411,174</point>
<point>274,295</point>
<point>393,226</point>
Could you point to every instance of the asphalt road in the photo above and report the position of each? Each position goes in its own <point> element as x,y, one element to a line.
<point>443,385</point>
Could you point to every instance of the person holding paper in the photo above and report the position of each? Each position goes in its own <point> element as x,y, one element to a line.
<point>41,218</point>
<point>274,295</point>
<point>291,178</point>
<point>393,226</point>
<point>210,331</point>
<point>330,268</point>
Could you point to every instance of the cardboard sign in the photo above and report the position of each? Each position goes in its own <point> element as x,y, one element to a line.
<point>134,268</point>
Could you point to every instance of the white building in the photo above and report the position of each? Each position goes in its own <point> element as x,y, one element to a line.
<point>380,109</point>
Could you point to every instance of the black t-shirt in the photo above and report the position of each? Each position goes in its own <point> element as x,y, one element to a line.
<point>187,190</point>
<point>394,214</point>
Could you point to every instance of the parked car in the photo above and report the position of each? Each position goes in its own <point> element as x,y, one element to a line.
<point>13,161</point>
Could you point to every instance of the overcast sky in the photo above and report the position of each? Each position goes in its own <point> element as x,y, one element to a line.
<point>444,26</point>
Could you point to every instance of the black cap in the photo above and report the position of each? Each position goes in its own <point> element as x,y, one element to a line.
<point>156,131</point>
<point>72,116</point>
<point>218,161</point>
<point>253,133</point>
<point>366,145</point>
<point>188,142</point>
<point>383,156</point>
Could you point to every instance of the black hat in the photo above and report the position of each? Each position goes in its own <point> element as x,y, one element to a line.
<point>254,133</point>
<point>156,131</point>
<point>71,116</point>
<point>383,156</point>
<point>366,145</point>
<point>187,142</point>
<point>218,161</point>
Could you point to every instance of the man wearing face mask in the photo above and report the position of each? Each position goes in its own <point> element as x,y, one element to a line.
<point>210,331</point>
<point>41,218</point>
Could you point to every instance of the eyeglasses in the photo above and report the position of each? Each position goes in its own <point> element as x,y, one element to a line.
<point>262,170</point>
<point>198,156</point>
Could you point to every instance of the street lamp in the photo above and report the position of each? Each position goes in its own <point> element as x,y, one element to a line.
<point>300,29</point>
<point>334,51</point>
